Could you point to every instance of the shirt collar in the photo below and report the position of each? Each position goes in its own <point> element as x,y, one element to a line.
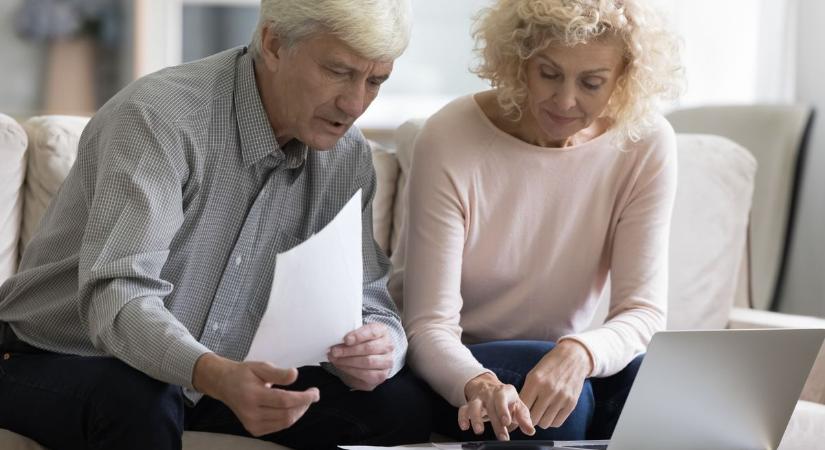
<point>257,137</point>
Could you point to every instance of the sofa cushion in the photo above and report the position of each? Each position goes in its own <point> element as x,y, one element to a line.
<point>386,172</point>
<point>405,139</point>
<point>804,430</point>
<point>52,151</point>
<point>13,143</point>
<point>708,230</point>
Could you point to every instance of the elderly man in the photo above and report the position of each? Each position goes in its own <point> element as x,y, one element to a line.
<point>138,299</point>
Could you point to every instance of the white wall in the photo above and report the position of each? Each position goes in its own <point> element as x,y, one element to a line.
<point>805,283</point>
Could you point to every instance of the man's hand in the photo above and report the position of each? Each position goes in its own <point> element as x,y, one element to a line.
<point>365,359</point>
<point>247,389</point>
<point>551,390</point>
<point>490,399</point>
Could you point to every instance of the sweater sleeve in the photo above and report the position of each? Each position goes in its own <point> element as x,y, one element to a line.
<point>639,264</point>
<point>432,276</point>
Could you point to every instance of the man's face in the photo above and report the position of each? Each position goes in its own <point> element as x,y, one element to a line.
<point>315,90</point>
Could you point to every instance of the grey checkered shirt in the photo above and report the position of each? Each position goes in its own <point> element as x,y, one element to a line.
<point>160,246</point>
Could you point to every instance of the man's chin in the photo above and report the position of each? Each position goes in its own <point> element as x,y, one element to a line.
<point>325,142</point>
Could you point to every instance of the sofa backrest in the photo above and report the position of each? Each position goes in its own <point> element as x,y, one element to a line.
<point>51,153</point>
<point>708,233</point>
<point>13,143</point>
<point>775,135</point>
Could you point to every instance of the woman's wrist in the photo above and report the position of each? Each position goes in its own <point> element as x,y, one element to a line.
<point>472,387</point>
<point>572,348</point>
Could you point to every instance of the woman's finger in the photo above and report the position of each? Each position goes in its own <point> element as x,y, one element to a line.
<point>494,415</point>
<point>476,414</point>
<point>463,418</point>
<point>521,418</point>
<point>539,409</point>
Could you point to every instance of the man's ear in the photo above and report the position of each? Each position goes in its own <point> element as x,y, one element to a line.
<point>271,49</point>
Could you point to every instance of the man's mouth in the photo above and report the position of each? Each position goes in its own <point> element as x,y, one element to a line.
<point>335,123</point>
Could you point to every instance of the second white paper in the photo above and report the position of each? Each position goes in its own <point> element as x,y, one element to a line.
<point>317,295</point>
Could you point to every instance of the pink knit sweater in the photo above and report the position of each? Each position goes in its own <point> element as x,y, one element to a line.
<point>506,240</point>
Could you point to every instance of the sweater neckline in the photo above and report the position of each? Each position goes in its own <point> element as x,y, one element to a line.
<point>510,139</point>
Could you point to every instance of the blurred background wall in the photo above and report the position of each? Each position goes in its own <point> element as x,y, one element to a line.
<point>21,67</point>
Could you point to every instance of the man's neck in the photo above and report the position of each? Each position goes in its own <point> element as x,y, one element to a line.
<point>263,81</point>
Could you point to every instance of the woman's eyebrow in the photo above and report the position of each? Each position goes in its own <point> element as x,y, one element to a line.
<point>559,68</point>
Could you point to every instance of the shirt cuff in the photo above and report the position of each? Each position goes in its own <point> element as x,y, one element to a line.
<point>179,361</point>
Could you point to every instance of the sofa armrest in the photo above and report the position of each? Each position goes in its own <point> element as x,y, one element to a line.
<point>740,318</point>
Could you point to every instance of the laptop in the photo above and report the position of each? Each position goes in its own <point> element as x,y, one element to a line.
<point>720,390</point>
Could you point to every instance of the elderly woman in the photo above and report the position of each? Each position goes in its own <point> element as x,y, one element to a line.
<point>523,199</point>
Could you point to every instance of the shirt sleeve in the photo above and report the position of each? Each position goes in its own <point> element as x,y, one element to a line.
<point>378,306</point>
<point>135,210</point>
<point>432,273</point>
<point>639,264</point>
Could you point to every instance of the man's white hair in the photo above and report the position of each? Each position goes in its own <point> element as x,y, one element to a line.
<point>376,29</point>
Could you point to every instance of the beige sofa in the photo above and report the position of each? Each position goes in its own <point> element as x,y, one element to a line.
<point>708,242</point>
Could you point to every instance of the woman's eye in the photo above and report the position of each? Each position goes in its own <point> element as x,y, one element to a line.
<point>592,84</point>
<point>549,76</point>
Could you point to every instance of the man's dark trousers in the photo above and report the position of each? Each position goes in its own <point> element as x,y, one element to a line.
<point>74,402</point>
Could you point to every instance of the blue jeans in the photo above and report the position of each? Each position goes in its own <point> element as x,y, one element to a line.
<point>75,402</point>
<point>596,412</point>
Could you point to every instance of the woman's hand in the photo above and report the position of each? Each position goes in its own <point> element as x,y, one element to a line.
<point>551,390</point>
<point>489,398</point>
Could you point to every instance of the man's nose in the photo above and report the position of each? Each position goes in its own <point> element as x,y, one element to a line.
<point>352,101</point>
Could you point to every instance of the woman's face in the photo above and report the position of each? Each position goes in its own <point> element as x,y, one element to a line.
<point>569,87</point>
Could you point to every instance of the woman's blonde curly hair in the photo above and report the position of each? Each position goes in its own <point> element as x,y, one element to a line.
<point>510,32</point>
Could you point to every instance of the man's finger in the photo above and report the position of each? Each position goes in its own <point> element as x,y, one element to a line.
<point>373,347</point>
<point>373,362</point>
<point>281,399</point>
<point>365,333</point>
<point>273,375</point>
<point>272,420</point>
<point>370,377</point>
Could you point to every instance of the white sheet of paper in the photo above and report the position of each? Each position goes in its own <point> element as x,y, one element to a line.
<point>317,295</point>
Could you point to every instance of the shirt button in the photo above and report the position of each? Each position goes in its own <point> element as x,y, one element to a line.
<point>238,261</point>
<point>6,356</point>
<point>215,327</point>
